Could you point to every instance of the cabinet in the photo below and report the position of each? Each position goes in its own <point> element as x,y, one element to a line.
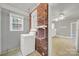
<point>27,43</point>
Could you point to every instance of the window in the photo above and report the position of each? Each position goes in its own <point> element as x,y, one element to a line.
<point>34,20</point>
<point>16,22</point>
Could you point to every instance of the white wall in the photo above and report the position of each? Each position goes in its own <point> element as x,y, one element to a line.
<point>11,39</point>
<point>50,31</point>
<point>8,39</point>
<point>8,7</point>
<point>0,30</point>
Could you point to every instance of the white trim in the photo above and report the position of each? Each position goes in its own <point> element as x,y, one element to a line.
<point>76,40</point>
<point>36,6</point>
<point>14,9</point>
<point>49,32</point>
<point>0,30</point>
<point>11,22</point>
<point>71,28</point>
<point>9,51</point>
<point>68,37</point>
<point>77,36</point>
<point>34,20</point>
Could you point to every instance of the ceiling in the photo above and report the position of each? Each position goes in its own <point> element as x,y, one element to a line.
<point>70,10</point>
<point>26,7</point>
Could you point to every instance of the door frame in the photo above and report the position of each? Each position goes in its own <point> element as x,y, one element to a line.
<point>76,42</point>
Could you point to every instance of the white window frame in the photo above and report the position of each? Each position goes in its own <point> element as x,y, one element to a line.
<point>11,22</point>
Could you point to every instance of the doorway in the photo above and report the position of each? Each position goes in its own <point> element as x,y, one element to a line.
<point>74,33</point>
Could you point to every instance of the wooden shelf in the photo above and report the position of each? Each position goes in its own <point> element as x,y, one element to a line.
<point>42,26</point>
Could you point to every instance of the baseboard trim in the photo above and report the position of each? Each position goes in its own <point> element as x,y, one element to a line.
<point>68,37</point>
<point>10,51</point>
